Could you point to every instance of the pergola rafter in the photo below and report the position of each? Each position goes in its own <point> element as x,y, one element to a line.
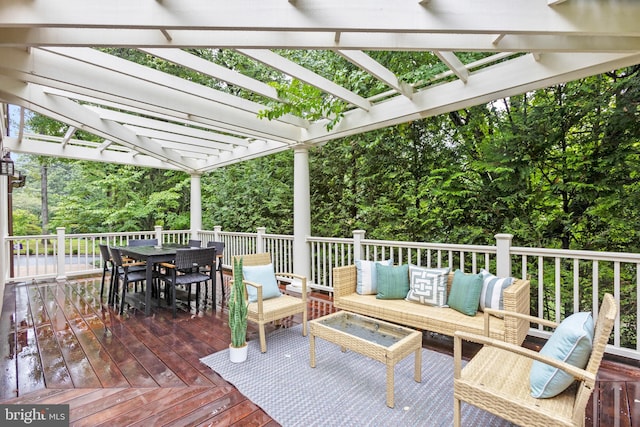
<point>150,118</point>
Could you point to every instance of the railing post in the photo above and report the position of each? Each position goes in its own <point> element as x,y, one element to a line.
<point>217,229</point>
<point>61,275</point>
<point>503,254</point>
<point>358,237</point>
<point>260,240</point>
<point>158,229</point>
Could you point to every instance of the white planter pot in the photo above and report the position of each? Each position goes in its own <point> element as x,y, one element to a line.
<point>238,354</point>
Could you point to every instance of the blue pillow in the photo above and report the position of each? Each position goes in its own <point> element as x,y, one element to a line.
<point>393,282</point>
<point>571,342</point>
<point>465,292</point>
<point>264,275</point>
<point>366,278</point>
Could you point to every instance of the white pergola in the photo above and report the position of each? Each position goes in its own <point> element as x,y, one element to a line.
<point>148,118</point>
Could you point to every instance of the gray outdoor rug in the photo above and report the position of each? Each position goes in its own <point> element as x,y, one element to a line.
<point>344,389</point>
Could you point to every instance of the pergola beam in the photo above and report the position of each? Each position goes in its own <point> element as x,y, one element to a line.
<point>296,71</point>
<point>401,16</point>
<point>377,70</point>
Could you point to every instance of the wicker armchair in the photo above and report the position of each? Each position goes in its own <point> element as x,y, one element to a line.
<point>268,310</point>
<point>497,378</point>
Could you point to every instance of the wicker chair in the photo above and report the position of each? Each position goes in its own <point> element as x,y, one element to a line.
<point>127,272</point>
<point>268,310</point>
<point>107,266</point>
<point>190,266</point>
<point>497,378</point>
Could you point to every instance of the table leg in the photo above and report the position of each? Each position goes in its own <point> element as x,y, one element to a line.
<point>312,350</point>
<point>417,376</point>
<point>148,287</point>
<point>390,379</point>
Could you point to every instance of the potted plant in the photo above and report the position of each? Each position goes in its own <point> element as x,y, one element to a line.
<point>238,316</point>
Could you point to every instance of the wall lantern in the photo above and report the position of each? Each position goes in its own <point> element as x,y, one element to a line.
<point>6,165</point>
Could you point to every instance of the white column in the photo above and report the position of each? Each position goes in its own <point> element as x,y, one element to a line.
<point>503,255</point>
<point>196,206</point>
<point>301,212</point>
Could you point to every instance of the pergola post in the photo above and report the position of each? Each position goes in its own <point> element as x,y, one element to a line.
<point>301,212</point>
<point>196,206</point>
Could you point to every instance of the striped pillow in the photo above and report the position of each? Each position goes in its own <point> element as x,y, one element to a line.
<point>367,282</point>
<point>492,287</point>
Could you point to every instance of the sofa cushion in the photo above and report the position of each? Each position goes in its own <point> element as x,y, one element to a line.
<point>492,288</point>
<point>428,285</point>
<point>571,342</point>
<point>441,320</point>
<point>465,292</point>
<point>393,281</point>
<point>366,276</point>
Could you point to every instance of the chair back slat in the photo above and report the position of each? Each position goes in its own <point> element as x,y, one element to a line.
<point>143,242</point>
<point>104,252</point>
<point>194,243</point>
<point>116,256</point>
<point>255,259</point>
<point>218,245</point>
<point>189,258</point>
<point>603,327</point>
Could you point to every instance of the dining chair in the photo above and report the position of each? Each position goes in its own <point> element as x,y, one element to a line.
<point>142,242</point>
<point>127,273</point>
<point>266,303</point>
<point>190,266</point>
<point>107,266</point>
<point>219,251</point>
<point>194,243</point>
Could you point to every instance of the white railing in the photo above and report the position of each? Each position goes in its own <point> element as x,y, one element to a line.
<point>562,281</point>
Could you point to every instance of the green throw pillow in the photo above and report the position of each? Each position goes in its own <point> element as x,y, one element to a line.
<point>465,293</point>
<point>393,282</point>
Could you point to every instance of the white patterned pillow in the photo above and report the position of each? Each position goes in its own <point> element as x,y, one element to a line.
<point>366,276</point>
<point>428,285</point>
<point>492,288</point>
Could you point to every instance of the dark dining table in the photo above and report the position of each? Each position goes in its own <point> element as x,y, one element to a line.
<point>152,255</point>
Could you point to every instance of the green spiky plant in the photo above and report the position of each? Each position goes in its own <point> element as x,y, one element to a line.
<point>238,307</point>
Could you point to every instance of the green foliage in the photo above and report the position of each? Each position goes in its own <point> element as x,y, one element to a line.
<point>25,223</point>
<point>304,101</point>
<point>238,307</point>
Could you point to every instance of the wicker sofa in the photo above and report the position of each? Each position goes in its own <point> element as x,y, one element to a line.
<point>442,320</point>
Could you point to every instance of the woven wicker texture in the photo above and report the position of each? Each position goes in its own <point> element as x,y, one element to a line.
<point>381,341</point>
<point>442,320</point>
<point>497,379</point>
<point>264,311</point>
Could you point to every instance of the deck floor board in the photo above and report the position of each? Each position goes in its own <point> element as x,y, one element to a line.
<point>66,346</point>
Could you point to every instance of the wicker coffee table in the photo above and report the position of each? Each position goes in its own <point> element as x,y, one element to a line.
<point>381,341</point>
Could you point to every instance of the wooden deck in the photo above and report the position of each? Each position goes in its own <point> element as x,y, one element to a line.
<point>61,345</point>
